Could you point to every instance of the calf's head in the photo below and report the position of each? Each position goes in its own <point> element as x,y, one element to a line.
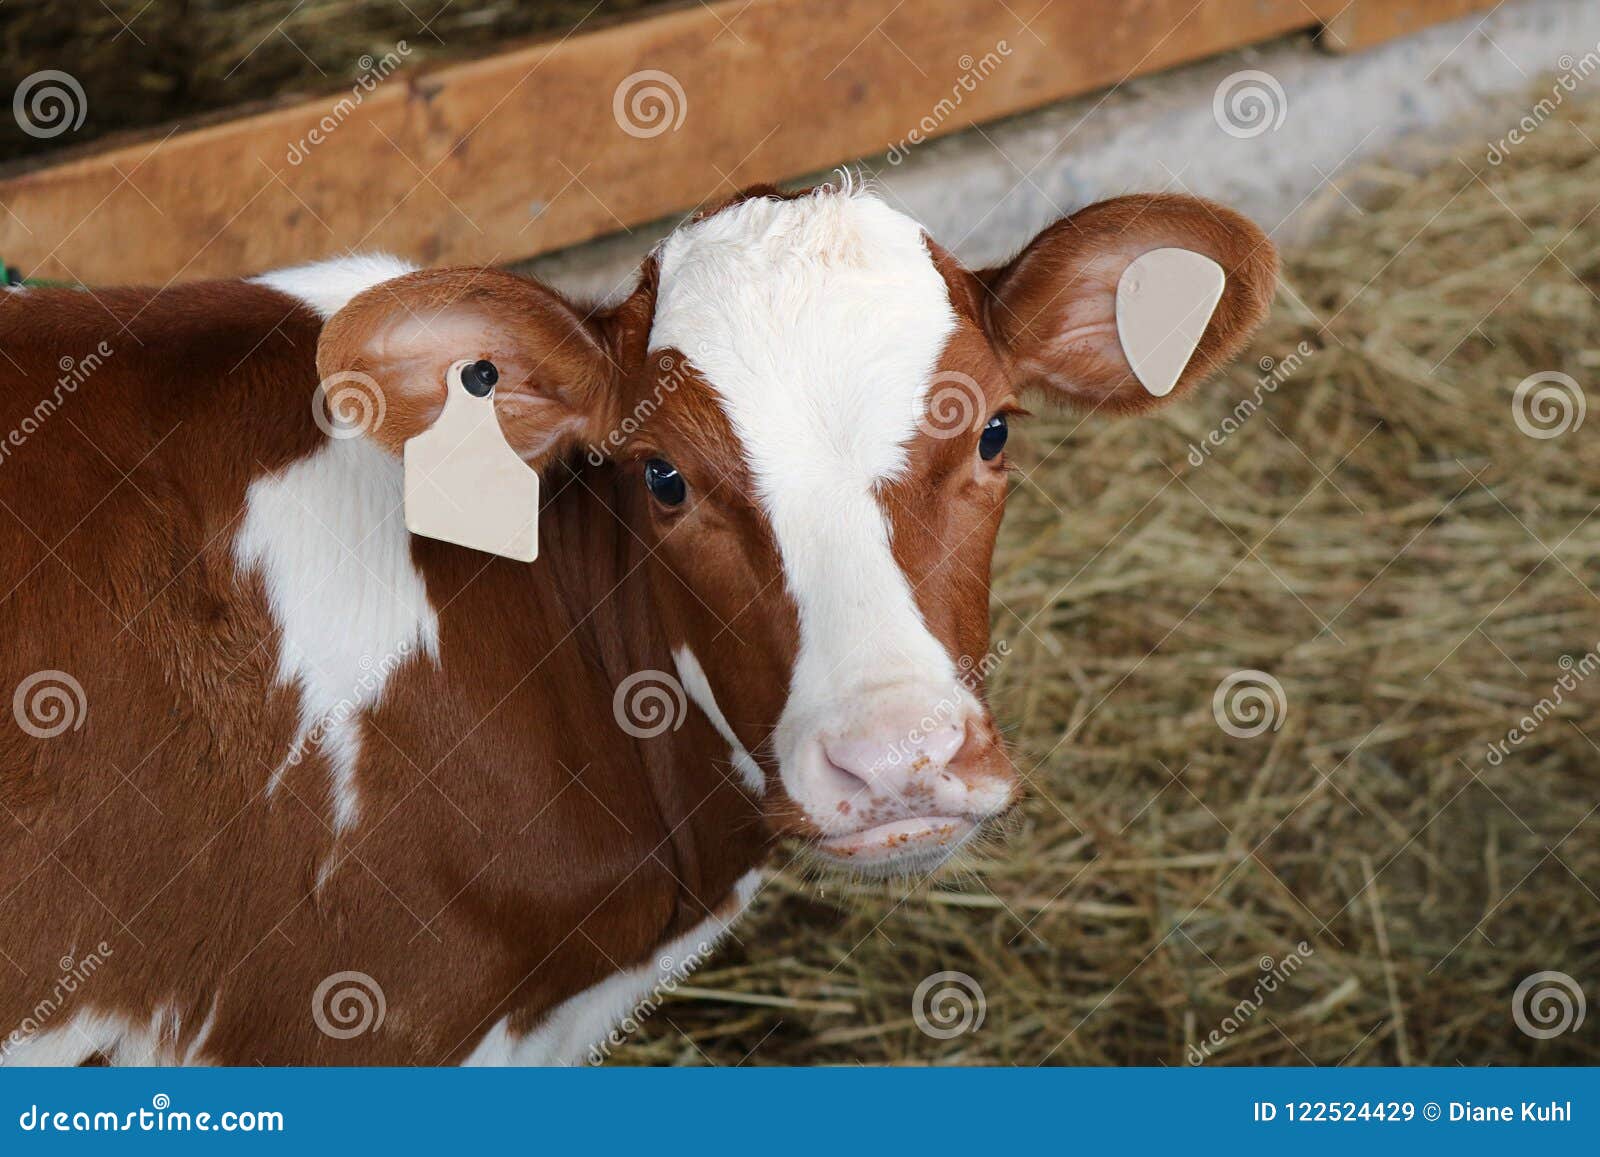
<point>808,402</point>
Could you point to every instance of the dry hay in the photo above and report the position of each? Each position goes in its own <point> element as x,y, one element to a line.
<point>1412,568</point>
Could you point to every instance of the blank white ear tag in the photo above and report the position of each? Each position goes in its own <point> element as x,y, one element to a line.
<point>1164,300</point>
<point>464,482</point>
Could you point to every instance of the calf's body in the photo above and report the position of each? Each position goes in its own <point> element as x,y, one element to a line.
<point>310,744</point>
<point>303,788</point>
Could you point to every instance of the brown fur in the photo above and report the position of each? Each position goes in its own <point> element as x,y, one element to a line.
<point>531,887</point>
<point>516,847</point>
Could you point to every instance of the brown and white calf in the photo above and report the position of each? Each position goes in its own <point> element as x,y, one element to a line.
<point>273,757</point>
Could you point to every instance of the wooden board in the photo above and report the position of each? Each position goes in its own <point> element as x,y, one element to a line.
<point>1351,25</point>
<point>541,147</point>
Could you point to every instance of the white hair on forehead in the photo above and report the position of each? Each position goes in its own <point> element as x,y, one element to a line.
<point>818,323</point>
<point>822,312</point>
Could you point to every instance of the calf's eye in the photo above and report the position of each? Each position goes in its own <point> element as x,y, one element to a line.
<point>993,438</point>
<point>663,481</point>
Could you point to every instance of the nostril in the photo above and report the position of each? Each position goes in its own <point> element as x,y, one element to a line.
<point>912,751</point>
<point>940,746</point>
<point>860,759</point>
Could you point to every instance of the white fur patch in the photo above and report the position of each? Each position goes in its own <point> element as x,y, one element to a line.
<point>819,323</point>
<point>698,687</point>
<point>328,538</point>
<point>581,1027</point>
<point>120,1040</point>
<point>327,286</point>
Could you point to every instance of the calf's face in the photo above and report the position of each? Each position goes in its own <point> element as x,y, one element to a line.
<point>808,402</point>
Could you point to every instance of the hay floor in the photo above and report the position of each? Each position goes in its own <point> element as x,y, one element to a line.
<point>1414,570</point>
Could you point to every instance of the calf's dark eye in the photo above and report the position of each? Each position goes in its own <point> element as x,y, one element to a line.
<point>663,481</point>
<point>993,438</point>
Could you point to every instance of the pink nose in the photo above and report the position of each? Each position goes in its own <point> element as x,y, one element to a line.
<point>894,783</point>
<point>883,773</point>
<point>886,760</point>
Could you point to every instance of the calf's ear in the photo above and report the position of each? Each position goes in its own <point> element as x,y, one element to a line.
<point>387,352</point>
<point>1054,313</point>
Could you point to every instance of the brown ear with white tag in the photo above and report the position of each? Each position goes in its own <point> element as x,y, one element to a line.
<point>1131,302</point>
<point>463,481</point>
<point>481,378</point>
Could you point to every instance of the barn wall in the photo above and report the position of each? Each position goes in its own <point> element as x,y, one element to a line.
<point>985,191</point>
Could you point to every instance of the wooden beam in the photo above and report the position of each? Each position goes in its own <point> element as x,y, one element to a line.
<point>1351,25</point>
<point>551,144</point>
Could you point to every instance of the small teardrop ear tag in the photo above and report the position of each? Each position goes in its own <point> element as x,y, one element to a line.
<point>1164,300</point>
<point>464,482</point>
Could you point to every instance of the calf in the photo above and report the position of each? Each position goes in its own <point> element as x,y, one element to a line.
<point>285,784</point>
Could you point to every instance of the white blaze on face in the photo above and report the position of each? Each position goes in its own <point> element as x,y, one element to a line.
<point>819,323</point>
